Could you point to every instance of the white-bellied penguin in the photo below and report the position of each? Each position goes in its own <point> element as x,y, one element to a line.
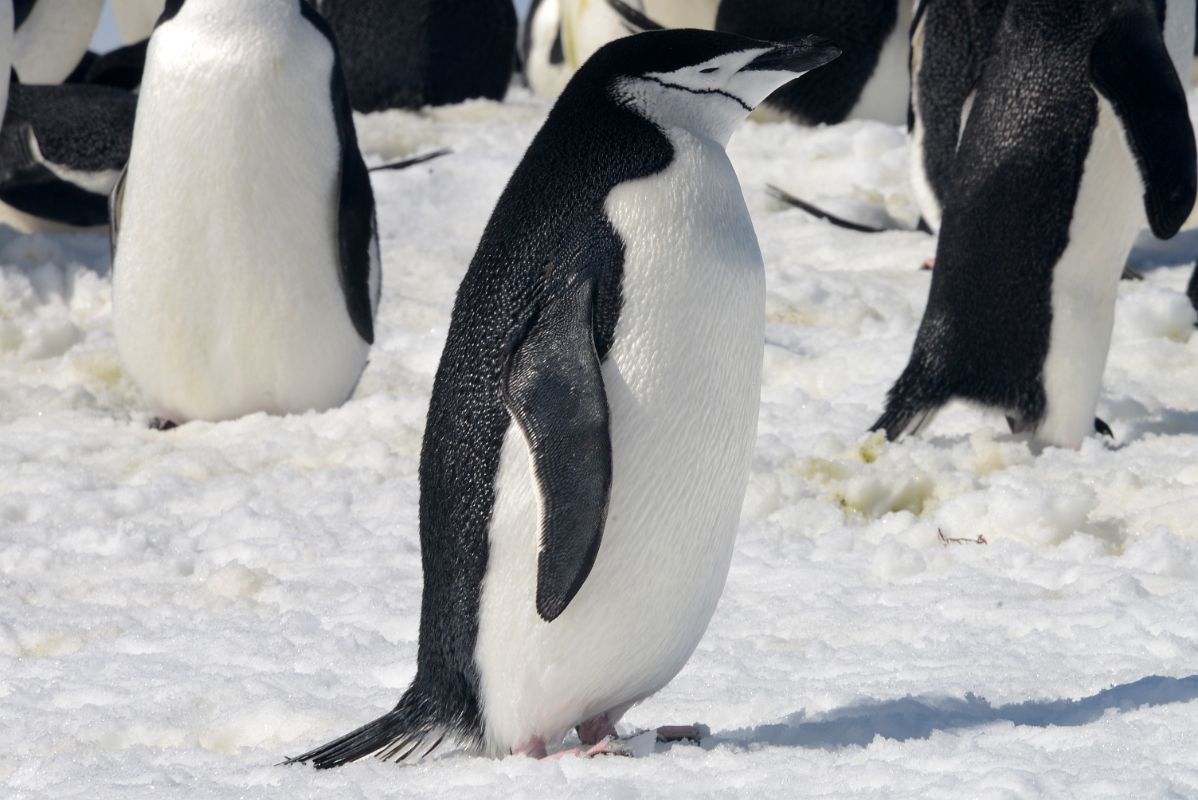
<point>593,418</point>
<point>246,267</point>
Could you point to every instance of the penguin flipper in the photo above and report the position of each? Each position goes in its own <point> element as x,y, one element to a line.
<point>635,20</point>
<point>116,205</point>
<point>553,388</point>
<point>1131,68</point>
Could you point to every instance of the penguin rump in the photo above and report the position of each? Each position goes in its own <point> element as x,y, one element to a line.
<point>593,418</point>
<point>1078,133</point>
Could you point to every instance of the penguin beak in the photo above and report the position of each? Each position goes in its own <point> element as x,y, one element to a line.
<point>802,55</point>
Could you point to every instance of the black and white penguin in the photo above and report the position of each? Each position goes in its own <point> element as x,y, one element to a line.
<point>542,51</point>
<point>870,81</point>
<point>592,421</point>
<point>62,148</point>
<point>415,53</point>
<point>135,19</point>
<point>52,37</point>
<point>246,267</point>
<point>1078,131</point>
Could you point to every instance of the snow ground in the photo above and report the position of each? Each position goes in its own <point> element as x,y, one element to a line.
<point>180,611</point>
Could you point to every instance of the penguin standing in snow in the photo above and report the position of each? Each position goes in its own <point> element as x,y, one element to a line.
<point>542,52</point>
<point>1078,131</point>
<point>52,37</point>
<point>593,418</point>
<point>62,148</point>
<point>246,268</point>
<point>870,81</point>
<point>415,53</point>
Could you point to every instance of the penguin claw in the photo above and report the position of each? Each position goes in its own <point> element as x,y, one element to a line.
<point>1102,429</point>
<point>928,265</point>
<point>160,424</point>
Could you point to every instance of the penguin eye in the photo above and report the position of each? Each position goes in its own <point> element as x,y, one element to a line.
<point>709,70</point>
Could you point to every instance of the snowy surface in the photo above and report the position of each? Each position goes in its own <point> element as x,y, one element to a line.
<point>179,611</point>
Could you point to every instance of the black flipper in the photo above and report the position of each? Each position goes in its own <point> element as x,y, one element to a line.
<point>356,226</point>
<point>1130,66</point>
<point>553,388</point>
<point>1192,288</point>
<point>116,205</point>
<point>411,162</point>
<point>635,21</point>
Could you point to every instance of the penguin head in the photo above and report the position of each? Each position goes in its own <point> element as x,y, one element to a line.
<point>703,81</point>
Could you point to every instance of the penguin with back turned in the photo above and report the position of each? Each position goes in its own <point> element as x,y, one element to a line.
<point>593,418</point>
<point>1078,131</point>
<point>415,53</point>
<point>246,269</point>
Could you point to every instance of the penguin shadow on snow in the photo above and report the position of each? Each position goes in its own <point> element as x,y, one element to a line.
<point>911,717</point>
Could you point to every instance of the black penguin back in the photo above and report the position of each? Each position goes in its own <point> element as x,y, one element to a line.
<point>413,53</point>
<point>859,27</point>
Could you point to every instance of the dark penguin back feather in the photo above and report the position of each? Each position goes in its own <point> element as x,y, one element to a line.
<point>414,53</point>
<point>985,332</point>
<point>83,128</point>
<point>859,27</point>
<point>21,10</point>
<point>547,237</point>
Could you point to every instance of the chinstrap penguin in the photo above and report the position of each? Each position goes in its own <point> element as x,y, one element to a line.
<point>415,53</point>
<point>1078,131</point>
<point>542,51</point>
<point>587,25</point>
<point>246,268</point>
<point>592,421</point>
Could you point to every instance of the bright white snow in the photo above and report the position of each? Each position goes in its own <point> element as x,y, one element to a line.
<point>180,611</point>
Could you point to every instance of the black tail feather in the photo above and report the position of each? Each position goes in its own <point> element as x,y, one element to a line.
<point>411,162</point>
<point>819,213</point>
<point>395,736</point>
<point>635,20</point>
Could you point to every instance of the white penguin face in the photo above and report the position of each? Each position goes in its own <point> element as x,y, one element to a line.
<point>711,98</point>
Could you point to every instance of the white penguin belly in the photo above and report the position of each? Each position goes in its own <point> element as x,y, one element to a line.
<point>227,299</point>
<point>884,97</point>
<point>135,18</point>
<point>1085,283</point>
<point>683,383</point>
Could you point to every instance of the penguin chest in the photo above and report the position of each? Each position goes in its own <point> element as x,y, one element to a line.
<point>1085,282</point>
<point>227,297</point>
<point>683,384</point>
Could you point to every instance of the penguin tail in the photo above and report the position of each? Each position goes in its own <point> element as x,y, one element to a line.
<point>409,732</point>
<point>635,20</point>
<point>898,422</point>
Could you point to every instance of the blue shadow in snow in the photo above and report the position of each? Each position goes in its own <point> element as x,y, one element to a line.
<point>920,717</point>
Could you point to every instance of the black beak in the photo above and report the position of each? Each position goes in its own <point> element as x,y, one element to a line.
<point>802,55</point>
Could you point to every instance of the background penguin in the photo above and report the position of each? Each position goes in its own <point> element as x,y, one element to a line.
<point>1045,204</point>
<point>587,25</point>
<point>136,18</point>
<point>603,365</point>
<point>62,149</point>
<point>950,43</point>
<point>52,37</point>
<point>246,268</point>
<point>415,53</point>
<point>6,33</point>
<point>542,52</point>
<point>870,81</point>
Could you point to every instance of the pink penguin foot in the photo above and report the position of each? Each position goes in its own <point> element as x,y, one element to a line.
<point>928,265</point>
